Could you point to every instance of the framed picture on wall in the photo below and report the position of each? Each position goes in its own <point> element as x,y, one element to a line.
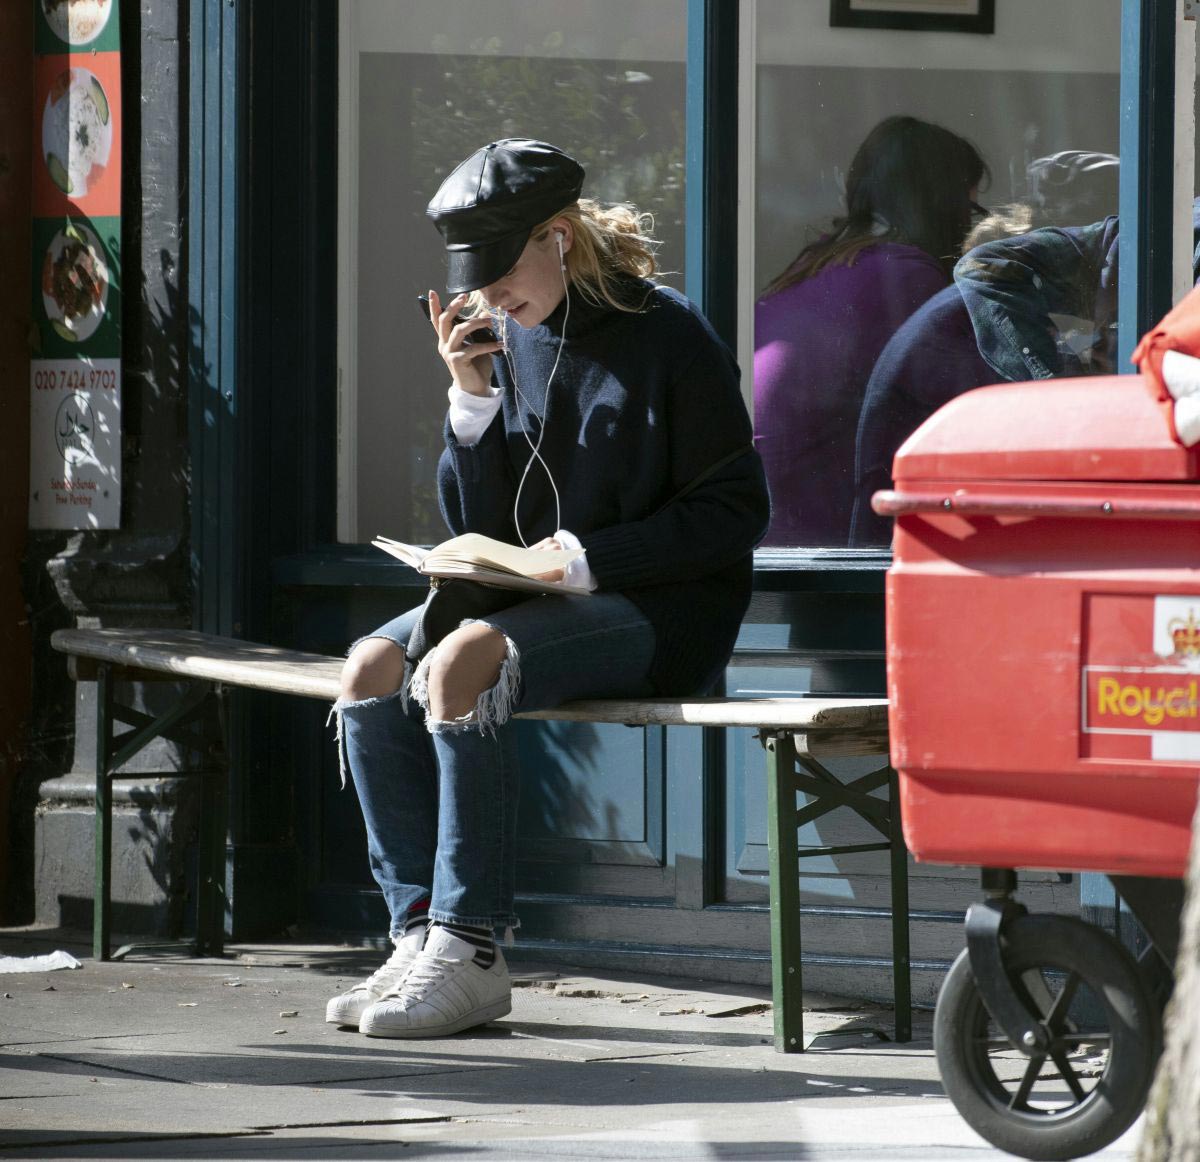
<point>916,15</point>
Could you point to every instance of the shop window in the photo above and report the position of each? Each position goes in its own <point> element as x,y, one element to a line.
<point>421,87</point>
<point>862,328</point>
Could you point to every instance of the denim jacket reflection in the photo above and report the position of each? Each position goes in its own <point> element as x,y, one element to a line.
<point>1044,304</point>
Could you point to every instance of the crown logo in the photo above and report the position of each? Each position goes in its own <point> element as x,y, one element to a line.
<point>1185,635</point>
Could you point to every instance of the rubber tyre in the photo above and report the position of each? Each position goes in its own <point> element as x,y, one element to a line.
<point>1087,956</point>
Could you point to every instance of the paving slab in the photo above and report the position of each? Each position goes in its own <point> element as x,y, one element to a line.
<point>162,1056</point>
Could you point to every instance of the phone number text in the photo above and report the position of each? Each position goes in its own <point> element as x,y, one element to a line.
<point>75,379</point>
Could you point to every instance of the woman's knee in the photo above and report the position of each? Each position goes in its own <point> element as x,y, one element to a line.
<point>465,664</point>
<point>374,669</point>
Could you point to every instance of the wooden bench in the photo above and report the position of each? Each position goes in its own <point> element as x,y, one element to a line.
<point>796,733</point>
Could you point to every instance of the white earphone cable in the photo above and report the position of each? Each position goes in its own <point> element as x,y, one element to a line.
<point>535,448</point>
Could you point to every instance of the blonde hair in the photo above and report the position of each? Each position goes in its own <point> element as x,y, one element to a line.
<point>610,243</point>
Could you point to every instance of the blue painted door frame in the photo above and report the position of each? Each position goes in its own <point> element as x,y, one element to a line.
<point>1147,168</point>
<point>215,276</point>
<point>712,162</point>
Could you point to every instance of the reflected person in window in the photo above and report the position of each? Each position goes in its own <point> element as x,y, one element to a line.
<point>1018,279</point>
<point>820,326</point>
<point>607,417</point>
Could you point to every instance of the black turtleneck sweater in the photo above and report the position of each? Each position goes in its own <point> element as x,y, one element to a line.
<point>642,404</point>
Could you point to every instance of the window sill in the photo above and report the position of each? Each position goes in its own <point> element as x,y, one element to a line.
<point>774,569</point>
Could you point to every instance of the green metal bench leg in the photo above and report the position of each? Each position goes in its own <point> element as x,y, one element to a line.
<point>102,884</point>
<point>210,866</point>
<point>901,966</point>
<point>210,894</point>
<point>210,843</point>
<point>210,839</point>
<point>787,981</point>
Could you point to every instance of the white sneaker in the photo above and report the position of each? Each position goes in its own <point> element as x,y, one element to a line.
<point>444,992</point>
<point>348,1008</point>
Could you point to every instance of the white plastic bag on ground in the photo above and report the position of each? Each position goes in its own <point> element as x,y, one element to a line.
<point>47,962</point>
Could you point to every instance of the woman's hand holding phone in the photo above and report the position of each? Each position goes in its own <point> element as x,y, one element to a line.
<point>466,344</point>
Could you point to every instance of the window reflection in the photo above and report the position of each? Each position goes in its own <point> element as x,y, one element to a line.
<point>1029,301</point>
<point>1016,279</point>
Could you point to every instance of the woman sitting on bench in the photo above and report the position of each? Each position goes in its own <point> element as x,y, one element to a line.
<point>606,417</point>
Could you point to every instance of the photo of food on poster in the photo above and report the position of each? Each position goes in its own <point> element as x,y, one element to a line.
<point>77,287</point>
<point>77,115</point>
<point>63,25</point>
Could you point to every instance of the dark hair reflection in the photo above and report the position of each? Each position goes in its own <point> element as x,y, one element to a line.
<point>910,181</point>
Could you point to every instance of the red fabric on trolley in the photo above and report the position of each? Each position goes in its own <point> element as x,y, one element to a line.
<point>1178,330</point>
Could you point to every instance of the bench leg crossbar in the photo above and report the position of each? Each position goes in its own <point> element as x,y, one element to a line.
<point>791,768</point>
<point>202,706</point>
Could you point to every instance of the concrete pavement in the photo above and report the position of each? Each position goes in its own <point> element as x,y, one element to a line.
<point>161,1056</point>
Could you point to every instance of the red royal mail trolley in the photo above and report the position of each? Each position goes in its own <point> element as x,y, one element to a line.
<point>1044,687</point>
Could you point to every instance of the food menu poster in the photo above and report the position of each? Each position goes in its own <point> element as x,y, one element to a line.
<point>75,373</point>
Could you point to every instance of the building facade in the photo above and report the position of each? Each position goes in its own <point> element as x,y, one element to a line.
<point>281,405</point>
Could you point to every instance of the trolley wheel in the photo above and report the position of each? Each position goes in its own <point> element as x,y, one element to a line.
<point>1104,1032</point>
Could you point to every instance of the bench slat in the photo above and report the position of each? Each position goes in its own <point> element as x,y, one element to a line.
<point>215,659</point>
<point>857,724</point>
<point>793,714</point>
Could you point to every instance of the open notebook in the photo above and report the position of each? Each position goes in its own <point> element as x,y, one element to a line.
<point>488,561</point>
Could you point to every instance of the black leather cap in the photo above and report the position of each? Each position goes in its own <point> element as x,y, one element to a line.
<point>486,209</point>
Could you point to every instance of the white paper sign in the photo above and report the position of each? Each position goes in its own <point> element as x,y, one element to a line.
<point>75,444</point>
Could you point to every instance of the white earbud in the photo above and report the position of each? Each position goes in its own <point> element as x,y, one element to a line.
<point>558,240</point>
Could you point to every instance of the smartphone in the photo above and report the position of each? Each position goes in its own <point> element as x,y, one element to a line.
<point>483,335</point>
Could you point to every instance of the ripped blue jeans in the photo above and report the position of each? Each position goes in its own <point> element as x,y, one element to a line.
<point>440,799</point>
